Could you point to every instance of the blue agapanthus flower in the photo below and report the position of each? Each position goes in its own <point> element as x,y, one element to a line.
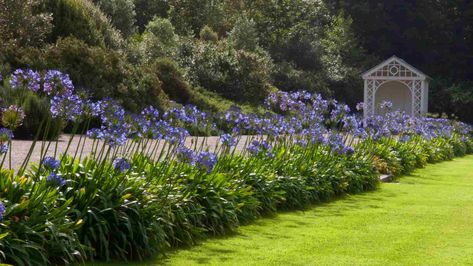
<point>5,134</point>
<point>121,164</point>
<point>228,140</point>
<point>55,179</point>
<point>26,79</point>
<point>206,160</point>
<point>256,147</point>
<point>51,163</point>
<point>2,210</point>
<point>56,82</point>
<point>185,155</point>
<point>67,106</point>
<point>3,148</point>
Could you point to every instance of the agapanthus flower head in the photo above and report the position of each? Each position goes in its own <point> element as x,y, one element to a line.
<point>94,133</point>
<point>2,210</point>
<point>176,135</point>
<point>206,161</point>
<point>150,114</point>
<point>67,106</point>
<point>51,163</point>
<point>114,135</point>
<point>228,140</point>
<point>12,117</point>
<point>185,155</point>
<point>301,142</point>
<point>257,147</point>
<point>3,148</point>
<point>5,135</point>
<point>28,79</point>
<point>55,179</point>
<point>386,105</point>
<point>121,164</point>
<point>56,82</point>
<point>109,111</point>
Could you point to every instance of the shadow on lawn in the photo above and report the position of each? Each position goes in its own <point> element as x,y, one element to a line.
<point>338,206</point>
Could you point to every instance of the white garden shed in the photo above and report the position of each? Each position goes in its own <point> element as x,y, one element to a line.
<point>394,80</point>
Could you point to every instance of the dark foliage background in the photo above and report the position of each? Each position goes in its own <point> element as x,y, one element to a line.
<point>215,53</point>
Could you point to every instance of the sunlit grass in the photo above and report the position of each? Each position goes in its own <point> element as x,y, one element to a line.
<point>425,219</point>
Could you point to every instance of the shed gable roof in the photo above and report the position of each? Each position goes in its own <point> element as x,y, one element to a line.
<point>395,67</point>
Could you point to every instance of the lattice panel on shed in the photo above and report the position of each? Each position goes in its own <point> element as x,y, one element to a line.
<point>394,69</point>
<point>417,103</point>
<point>371,90</point>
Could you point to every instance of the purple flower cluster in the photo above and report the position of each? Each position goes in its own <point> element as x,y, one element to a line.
<point>185,155</point>
<point>51,163</point>
<point>203,160</point>
<point>114,129</point>
<point>121,164</point>
<point>5,134</point>
<point>228,140</point>
<point>360,106</point>
<point>3,148</point>
<point>206,161</point>
<point>56,180</point>
<point>56,82</point>
<point>67,106</point>
<point>2,210</point>
<point>258,147</point>
<point>26,79</point>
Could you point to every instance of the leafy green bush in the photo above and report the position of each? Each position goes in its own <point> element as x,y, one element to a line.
<point>207,34</point>
<point>37,110</point>
<point>83,20</point>
<point>235,74</point>
<point>147,10</point>
<point>103,73</point>
<point>21,26</point>
<point>121,13</point>
<point>159,40</point>
<point>173,84</point>
<point>244,35</point>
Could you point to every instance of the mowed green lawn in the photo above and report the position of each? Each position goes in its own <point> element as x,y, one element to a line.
<point>425,219</point>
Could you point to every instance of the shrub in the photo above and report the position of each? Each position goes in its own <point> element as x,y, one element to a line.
<point>244,35</point>
<point>105,73</point>
<point>37,110</point>
<point>83,20</point>
<point>98,71</point>
<point>121,13</point>
<point>207,34</point>
<point>173,84</point>
<point>21,26</point>
<point>159,40</point>
<point>214,103</point>
<point>147,10</point>
<point>238,75</point>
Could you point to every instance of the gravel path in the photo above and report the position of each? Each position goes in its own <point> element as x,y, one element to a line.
<point>20,148</point>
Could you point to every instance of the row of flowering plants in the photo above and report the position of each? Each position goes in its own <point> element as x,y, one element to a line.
<point>143,188</point>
